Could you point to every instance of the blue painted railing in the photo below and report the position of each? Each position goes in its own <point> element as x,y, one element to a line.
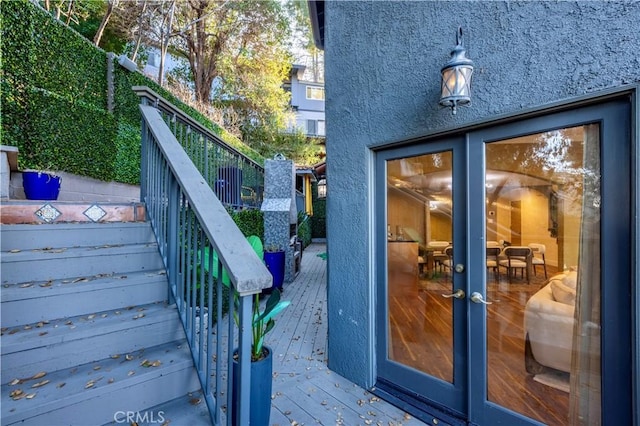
<point>197,240</point>
<point>237,180</point>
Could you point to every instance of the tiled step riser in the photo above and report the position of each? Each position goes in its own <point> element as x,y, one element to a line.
<point>23,268</point>
<point>55,304</point>
<point>29,237</point>
<point>67,354</point>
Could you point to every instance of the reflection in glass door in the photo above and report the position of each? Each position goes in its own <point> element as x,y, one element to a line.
<point>419,252</point>
<point>543,216</point>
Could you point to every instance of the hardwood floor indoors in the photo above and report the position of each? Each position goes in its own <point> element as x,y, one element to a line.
<point>422,338</point>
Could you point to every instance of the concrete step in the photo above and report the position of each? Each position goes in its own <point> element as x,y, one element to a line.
<point>66,342</point>
<point>33,302</point>
<point>102,391</point>
<point>57,235</point>
<point>70,262</point>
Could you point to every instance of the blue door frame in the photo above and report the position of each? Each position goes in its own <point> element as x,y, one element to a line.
<point>465,401</point>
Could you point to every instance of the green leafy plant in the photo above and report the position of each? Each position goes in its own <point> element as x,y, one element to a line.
<point>262,322</point>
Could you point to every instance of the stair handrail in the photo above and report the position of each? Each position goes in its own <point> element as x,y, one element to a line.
<point>191,225</point>
<point>214,164</point>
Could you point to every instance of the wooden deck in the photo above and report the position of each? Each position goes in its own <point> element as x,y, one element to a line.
<point>305,391</point>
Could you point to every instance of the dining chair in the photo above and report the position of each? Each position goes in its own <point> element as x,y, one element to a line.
<point>538,258</point>
<point>516,257</point>
<point>492,261</point>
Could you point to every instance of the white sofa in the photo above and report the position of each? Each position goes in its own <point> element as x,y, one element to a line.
<point>548,324</point>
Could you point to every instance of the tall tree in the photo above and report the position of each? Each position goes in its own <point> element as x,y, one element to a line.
<point>223,35</point>
<point>105,20</point>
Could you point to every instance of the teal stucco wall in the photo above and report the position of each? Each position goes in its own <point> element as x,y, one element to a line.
<point>382,75</point>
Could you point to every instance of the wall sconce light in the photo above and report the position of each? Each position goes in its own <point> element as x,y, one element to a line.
<point>322,188</point>
<point>456,77</point>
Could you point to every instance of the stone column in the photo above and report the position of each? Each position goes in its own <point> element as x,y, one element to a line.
<point>279,208</point>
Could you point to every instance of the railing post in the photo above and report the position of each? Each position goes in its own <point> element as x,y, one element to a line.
<point>244,361</point>
<point>172,237</point>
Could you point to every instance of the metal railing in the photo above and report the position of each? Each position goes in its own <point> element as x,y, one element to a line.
<point>209,264</point>
<point>237,180</point>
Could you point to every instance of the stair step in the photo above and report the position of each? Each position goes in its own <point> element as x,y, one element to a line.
<point>33,302</point>
<point>98,392</point>
<point>189,409</point>
<point>58,263</point>
<point>65,342</point>
<point>27,237</point>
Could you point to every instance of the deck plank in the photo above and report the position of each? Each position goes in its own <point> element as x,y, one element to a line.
<point>305,391</point>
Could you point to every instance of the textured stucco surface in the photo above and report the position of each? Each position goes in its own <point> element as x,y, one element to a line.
<point>382,77</point>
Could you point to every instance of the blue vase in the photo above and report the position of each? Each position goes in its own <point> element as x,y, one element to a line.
<point>40,186</point>
<point>261,385</point>
<point>275,264</point>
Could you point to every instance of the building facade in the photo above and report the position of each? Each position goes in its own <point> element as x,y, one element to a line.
<point>307,103</point>
<point>483,265</point>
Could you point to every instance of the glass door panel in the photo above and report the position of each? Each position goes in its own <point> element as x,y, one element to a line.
<point>543,213</point>
<point>419,252</point>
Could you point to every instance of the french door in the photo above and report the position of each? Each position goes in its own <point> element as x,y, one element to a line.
<point>504,275</point>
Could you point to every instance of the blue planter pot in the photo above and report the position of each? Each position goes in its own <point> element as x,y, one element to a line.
<point>275,264</point>
<point>41,185</point>
<point>261,385</point>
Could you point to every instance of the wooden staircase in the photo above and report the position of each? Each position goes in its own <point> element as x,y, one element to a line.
<point>88,336</point>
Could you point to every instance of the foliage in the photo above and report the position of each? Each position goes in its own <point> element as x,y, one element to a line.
<point>250,222</point>
<point>319,218</point>
<point>127,164</point>
<point>304,228</point>
<point>269,141</point>
<point>262,322</point>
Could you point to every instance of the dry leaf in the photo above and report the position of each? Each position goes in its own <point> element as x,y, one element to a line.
<point>14,331</point>
<point>156,363</point>
<point>40,324</point>
<point>27,327</point>
<point>128,357</point>
<point>69,322</point>
<point>39,375</point>
<point>131,373</point>
<point>195,401</point>
<point>92,316</point>
<point>115,356</point>
<point>90,384</point>
<point>14,382</point>
<point>96,367</point>
<point>111,380</point>
<point>60,385</point>
<point>26,285</point>
<point>47,284</point>
<point>15,251</point>
<point>17,394</point>
<point>31,396</point>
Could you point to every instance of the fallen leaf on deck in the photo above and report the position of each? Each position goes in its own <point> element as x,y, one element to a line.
<point>60,385</point>
<point>90,384</point>
<point>92,316</point>
<point>15,251</point>
<point>31,396</point>
<point>115,356</point>
<point>131,373</point>
<point>14,382</point>
<point>195,401</point>
<point>39,375</point>
<point>26,285</point>
<point>128,357</point>
<point>47,284</point>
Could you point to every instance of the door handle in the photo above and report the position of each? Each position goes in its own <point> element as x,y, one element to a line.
<point>477,298</point>
<point>458,294</point>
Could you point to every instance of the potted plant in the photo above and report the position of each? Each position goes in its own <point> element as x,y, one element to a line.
<point>41,185</point>
<point>261,358</point>
<point>274,258</point>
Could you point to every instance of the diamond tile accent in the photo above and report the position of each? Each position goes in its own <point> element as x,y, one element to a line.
<point>48,213</point>
<point>95,213</point>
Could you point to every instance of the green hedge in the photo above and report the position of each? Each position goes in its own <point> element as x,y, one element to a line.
<point>250,222</point>
<point>72,143</point>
